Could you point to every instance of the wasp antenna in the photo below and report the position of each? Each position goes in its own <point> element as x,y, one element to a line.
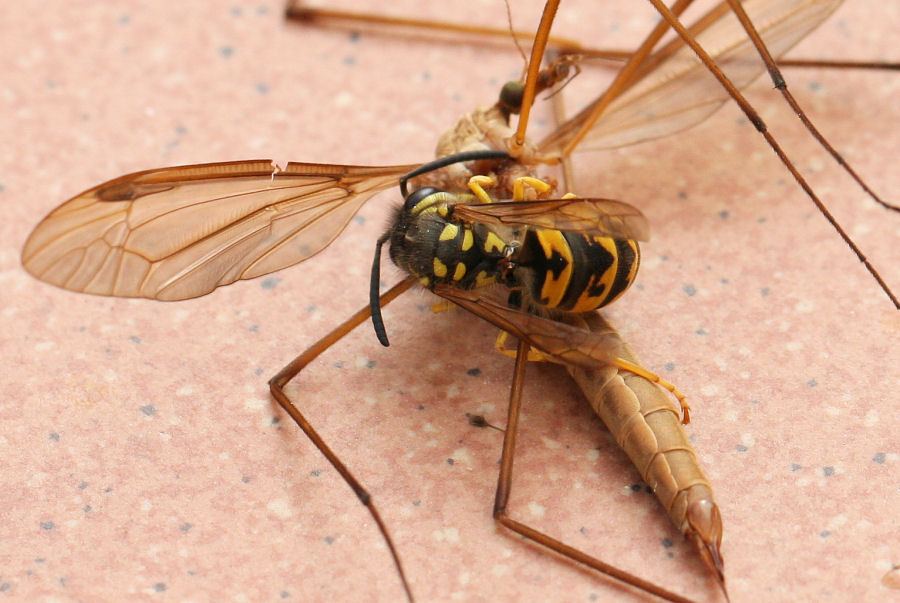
<point>440,162</point>
<point>374,297</point>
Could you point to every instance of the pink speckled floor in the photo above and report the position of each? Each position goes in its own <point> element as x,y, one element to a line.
<point>140,455</point>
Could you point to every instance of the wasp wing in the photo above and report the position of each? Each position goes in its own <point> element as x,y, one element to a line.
<point>558,341</point>
<point>600,217</point>
<point>676,91</point>
<point>180,232</point>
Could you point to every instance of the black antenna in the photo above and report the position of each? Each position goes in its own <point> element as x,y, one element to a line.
<point>374,293</point>
<point>446,160</point>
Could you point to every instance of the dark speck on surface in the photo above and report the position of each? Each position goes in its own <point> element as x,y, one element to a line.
<point>135,339</point>
<point>879,458</point>
<point>450,462</point>
<point>796,467</point>
<point>354,36</point>
<point>186,527</point>
<point>669,366</point>
<point>724,214</point>
<point>827,471</point>
<point>812,383</point>
<point>159,587</point>
<point>740,448</point>
<point>54,437</point>
<point>690,290</point>
<point>349,61</point>
<point>148,410</point>
<point>125,20</point>
<point>47,525</point>
<point>825,533</point>
<point>226,51</point>
<point>700,331</point>
<point>667,543</point>
<point>764,291</point>
<point>82,485</point>
<point>262,88</point>
<point>473,372</point>
<point>329,539</point>
<point>270,282</point>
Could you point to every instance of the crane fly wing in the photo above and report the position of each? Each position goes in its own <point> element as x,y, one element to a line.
<point>600,217</point>
<point>180,232</point>
<point>678,91</point>
<point>558,341</point>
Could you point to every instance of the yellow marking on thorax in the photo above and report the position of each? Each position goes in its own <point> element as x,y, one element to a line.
<point>439,268</point>
<point>459,272</point>
<point>449,233</point>
<point>493,243</point>
<point>483,279</point>
<point>468,240</point>
<point>555,288</point>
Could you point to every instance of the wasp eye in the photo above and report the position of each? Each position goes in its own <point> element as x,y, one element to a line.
<point>418,195</point>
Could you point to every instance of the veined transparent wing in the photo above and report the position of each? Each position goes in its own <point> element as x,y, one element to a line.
<point>600,217</point>
<point>180,232</point>
<point>674,90</point>
<point>558,341</point>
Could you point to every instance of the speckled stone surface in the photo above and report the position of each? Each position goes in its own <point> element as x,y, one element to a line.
<point>143,458</point>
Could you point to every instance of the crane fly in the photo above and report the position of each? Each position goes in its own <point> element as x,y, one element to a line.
<point>146,271</point>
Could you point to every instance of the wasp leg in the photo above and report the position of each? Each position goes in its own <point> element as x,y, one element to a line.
<point>534,354</point>
<point>477,184</point>
<point>539,186</point>
<point>504,483</point>
<point>442,305</point>
<point>276,387</point>
<point>640,371</point>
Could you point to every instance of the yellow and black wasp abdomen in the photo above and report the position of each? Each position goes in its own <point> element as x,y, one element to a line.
<point>428,243</point>
<point>573,272</point>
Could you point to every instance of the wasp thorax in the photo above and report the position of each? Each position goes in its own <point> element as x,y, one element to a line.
<point>430,244</point>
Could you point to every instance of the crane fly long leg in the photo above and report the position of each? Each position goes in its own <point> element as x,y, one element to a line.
<point>295,10</point>
<point>504,484</point>
<point>760,125</point>
<point>782,86</point>
<point>276,386</point>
